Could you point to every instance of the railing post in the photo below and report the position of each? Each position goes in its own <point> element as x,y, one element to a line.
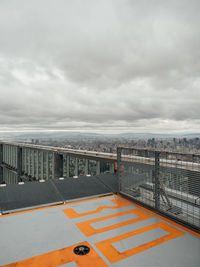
<point>1,161</point>
<point>37,164</point>
<point>47,164</point>
<point>157,180</point>
<point>119,167</point>
<point>98,170</point>
<point>42,163</point>
<point>111,167</point>
<point>58,161</point>
<point>19,163</point>
<point>76,167</point>
<point>86,167</point>
<point>68,160</point>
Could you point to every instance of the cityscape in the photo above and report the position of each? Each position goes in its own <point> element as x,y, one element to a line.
<point>189,143</point>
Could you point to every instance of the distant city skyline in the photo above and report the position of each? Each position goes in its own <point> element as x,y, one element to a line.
<point>87,134</point>
<point>105,66</point>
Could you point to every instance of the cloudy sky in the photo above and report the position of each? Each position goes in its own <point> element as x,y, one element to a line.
<point>104,65</point>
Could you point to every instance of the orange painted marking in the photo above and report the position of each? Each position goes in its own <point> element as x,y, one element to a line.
<point>53,206</point>
<point>62,256</point>
<point>117,196</point>
<point>88,230</point>
<point>113,255</point>
<point>159,216</point>
<point>71,213</point>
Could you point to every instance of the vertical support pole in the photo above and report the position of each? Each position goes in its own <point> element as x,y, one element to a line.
<point>33,163</point>
<point>53,165</point>
<point>61,165</point>
<point>12,158</point>
<point>16,157</point>
<point>5,175</point>
<point>1,161</point>
<point>1,175</point>
<point>111,167</point>
<point>98,170</point>
<point>6,158</point>
<point>58,159</point>
<point>76,167</point>
<point>6,154</point>
<point>68,159</point>
<point>19,163</point>
<point>3,157</point>
<point>9,155</point>
<point>86,167</point>
<point>119,167</point>
<point>47,165</point>
<point>37,165</point>
<point>29,161</point>
<point>42,164</point>
<point>157,180</point>
<point>25,160</point>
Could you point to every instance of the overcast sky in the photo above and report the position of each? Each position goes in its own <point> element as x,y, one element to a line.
<point>104,65</point>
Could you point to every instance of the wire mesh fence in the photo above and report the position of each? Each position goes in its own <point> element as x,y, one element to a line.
<point>166,181</point>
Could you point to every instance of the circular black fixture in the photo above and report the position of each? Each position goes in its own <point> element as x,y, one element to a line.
<point>81,250</point>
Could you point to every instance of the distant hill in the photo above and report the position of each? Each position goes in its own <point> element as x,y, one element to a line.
<point>59,135</point>
<point>155,135</point>
<point>41,135</point>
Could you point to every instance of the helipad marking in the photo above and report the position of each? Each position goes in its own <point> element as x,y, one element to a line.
<point>71,213</point>
<point>113,255</point>
<point>88,230</point>
<point>61,257</point>
<point>160,216</point>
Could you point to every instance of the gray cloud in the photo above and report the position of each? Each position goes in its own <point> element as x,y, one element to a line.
<point>114,65</point>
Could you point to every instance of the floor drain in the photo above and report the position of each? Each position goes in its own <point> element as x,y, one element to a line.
<point>81,250</point>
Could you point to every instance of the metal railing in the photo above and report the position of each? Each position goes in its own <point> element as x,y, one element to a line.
<point>27,163</point>
<point>166,181</point>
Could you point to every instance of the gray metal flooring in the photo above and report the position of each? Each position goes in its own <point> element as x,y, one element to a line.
<point>16,196</point>
<point>119,231</point>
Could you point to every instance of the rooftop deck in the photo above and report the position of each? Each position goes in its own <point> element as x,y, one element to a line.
<point>116,231</point>
<point>95,219</point>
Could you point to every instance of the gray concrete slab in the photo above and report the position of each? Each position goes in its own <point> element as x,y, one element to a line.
<point>29,234</point>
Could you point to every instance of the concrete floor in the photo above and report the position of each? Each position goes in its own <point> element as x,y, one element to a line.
<point>117,231</point>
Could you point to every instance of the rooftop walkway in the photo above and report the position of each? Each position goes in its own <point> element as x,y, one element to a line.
<point>100,231</point>
<point>18,197</point>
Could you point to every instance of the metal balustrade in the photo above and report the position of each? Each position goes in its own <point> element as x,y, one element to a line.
<point>166,181</point>
<point>24,162</point>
